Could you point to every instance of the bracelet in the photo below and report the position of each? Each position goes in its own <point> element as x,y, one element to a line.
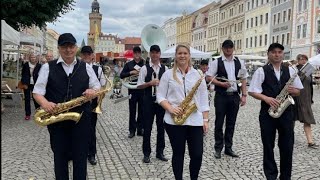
<point>206,120</point>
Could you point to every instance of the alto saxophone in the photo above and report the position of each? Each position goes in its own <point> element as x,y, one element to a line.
<point>60,113</point>
<point>284,98</point>
<point>185,105</point>
<point>106,73</point>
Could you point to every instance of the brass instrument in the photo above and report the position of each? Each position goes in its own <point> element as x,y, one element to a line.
<point>238,82</point>
<point>187,109</point>
<point>60,113</point>
<point>106,73</point>
<point>130,82</point>
<point>284,98</point>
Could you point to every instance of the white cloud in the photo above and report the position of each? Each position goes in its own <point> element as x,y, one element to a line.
<point>123,17</point>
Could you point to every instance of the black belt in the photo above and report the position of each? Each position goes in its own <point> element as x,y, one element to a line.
<point>228,93</point>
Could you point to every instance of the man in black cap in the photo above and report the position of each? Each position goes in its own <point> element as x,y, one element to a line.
<point>132,68</point>
<point>60,81</point>
<point>149,78</point>
<point>204,66</point>
<point>227,99</point>
<point>88,56</point>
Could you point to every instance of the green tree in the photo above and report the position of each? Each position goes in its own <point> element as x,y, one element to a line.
<point>25,13</point>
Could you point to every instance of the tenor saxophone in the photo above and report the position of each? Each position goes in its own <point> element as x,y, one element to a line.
<point>185,105</point>
<point>60,113</point>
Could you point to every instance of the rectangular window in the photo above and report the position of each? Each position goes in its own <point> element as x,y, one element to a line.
<point>300,6</point>
<point>304,31</point>
<point>260,41</point>
<point>282,39</point>
<point>267,18</point>
<point>256,21</point>
<point>252,3</point>
<point>299,32</point>
<point>266,39</point>
<point>277,39</point>
<point>275,3</point>
<point>272,39</point>
<point>318,24</point>
<point>247,23</point>
<point>250,41</point>
<point>279,17</point>
<point>288,38</point>
<point>247,40</point>
<point>235,27</point>
<point>240,46</point>
<point>261,19</point>
<point>251,22</point>
<point>261,2</point>
<point>274,19</point>
<point>305,4</point>
<point>257,3</point>
<point>248,6</point>
<point>289,14</point>
<point>255,41</point>
<point>284,16</point>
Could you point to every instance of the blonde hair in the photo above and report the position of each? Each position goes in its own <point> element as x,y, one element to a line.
<point>175,66</point>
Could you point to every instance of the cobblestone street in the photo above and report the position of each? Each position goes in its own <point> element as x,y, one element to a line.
<point>26,152</point>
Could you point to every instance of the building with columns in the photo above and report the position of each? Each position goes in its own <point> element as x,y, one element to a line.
<point>170,29</point>
<point>199,28</point>
<point>257,27</point>
<point>213,29</point>
<point>231,23</point>
<point>184,24</point>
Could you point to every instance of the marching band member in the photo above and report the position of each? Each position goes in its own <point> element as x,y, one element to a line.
<point>303,102</point>
<point>174,86</point>
<point>149,77</point>
<point>267,82</point>
<point>88,56</point>
<point>227,99</point>
<point>29,76</point>
<point>60,81</point>
<point>133,68</point>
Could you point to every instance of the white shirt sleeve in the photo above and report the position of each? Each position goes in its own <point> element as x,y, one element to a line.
<point>142,75</point>
<point>204,97</point>
<point>41,84</point>
<point>243,66</point>
<point>102,77</point>
<point>162,89</point>
<point>93,80</point>
<point>297,82</point>
<point>256,81</point>
<point>213,68</point>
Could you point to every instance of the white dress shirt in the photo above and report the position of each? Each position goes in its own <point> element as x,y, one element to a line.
<point>31,66</point>
<point>143,72</point>
<point>101,75</point>
<point>41,84</point>
<point>258,79</point>
<point>230,69</point>
<point>170,90</point>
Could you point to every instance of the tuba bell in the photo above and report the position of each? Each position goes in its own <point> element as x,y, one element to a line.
<point>153,35</point>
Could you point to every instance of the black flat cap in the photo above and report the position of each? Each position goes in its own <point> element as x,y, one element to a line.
<point>86,49</point>
<point>227,44</point>
<point>136,49</point>
<point>274,46</point>
<point>204,62</point>
<point>155,48</point>
<point>66,38</point>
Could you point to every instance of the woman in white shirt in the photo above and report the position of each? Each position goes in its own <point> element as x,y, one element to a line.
<point>174,86</point>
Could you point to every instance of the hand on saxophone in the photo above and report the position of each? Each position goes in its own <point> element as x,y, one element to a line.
<point>48,106</point>
<point>175,111</point>
<point>274,103</point>
<point>89,93</point>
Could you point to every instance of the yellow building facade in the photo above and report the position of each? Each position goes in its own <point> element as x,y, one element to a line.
<point>184,29</point>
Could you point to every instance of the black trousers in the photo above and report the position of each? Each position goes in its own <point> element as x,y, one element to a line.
<point>27,98</point>
<point>67,138</point>
<point>285,127</point>
<point>136,98</point>
<point>178,136</point>
<point>152,109</point>
<point>93,138</point>
<point>226,107</point>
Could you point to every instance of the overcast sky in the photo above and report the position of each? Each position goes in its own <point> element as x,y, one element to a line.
<point>123,17</point>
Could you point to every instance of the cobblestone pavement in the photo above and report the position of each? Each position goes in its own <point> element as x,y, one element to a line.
<point>26,152</point>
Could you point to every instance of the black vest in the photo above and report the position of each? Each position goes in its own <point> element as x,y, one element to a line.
<point>62,87</point>
<point>271,86</point>
<point>148,78</point>
<point>223,73</point>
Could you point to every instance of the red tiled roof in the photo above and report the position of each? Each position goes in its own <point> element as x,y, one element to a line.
<point>132,40</point>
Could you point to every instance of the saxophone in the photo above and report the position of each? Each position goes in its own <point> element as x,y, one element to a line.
<point>187,109</point>
<point>284,98</point>
<point>106,73</point>
<point>60,113</point>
